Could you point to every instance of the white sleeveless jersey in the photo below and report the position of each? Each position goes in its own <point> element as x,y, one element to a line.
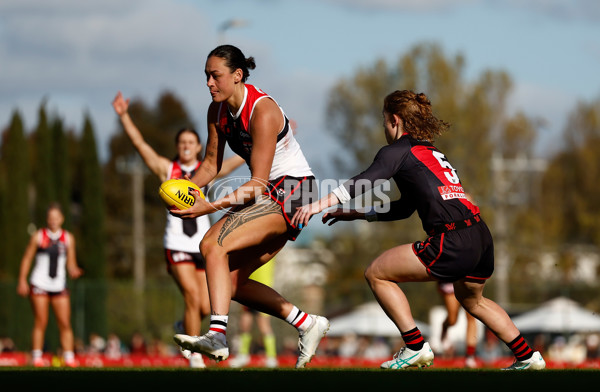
<point>48,275</point>
<point>288,160</point>
<point>175,238</point>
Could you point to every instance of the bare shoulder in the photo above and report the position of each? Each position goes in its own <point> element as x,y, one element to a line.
<point>213,112</point>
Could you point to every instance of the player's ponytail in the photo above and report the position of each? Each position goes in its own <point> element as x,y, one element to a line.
<point>234,59</point>
<point>416,114</point>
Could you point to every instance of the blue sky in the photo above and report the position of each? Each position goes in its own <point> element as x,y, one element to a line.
<point>79,54</point>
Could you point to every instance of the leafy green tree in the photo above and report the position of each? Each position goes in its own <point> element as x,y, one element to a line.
<point>570,185</point>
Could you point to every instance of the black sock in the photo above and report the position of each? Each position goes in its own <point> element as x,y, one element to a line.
<point>520,348</point>
<point>413,339</point>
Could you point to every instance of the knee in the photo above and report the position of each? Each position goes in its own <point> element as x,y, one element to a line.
<point>470,305</point>
<point>369,275</point>
<point>206,246</point>
<point>210,249</point>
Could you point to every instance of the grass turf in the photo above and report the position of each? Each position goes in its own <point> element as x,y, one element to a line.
<point>313,380</point>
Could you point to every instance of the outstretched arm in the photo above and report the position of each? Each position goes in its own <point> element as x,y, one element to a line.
<point>157,164</point>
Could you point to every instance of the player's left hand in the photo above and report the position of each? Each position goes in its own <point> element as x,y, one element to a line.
<point>339,214</point>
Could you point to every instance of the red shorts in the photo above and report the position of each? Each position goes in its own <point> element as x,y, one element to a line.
<point>464,253</point>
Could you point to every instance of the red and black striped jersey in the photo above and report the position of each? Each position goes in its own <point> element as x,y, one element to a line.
<point>427,182</point>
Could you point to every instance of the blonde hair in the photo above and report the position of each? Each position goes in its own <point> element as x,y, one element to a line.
<point>416,114</point>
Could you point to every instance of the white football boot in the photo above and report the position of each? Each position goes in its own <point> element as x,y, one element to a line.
<point>239,361</point>
<point>409,358</point>
<point>196,361</point>
<point>208,344</point>
<point>536,362</point>
<point>309,340</point>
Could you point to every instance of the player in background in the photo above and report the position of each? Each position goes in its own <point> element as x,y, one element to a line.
<point>262,275</point>
<point>258,224</point>
<point>446,290</point>
<point>459,248</point>
<point>184,260</point>
<point>53,250</point>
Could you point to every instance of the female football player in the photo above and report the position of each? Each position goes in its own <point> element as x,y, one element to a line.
<point>184,261</point>
<point>53,250</point>
<point>459,248</point>
<point>258,223</point>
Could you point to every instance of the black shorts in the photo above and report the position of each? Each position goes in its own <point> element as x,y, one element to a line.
<point>464,253</point>
<point>177,257</point>
<point>291,193</point>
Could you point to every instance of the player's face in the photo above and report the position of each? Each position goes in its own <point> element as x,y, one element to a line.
<point>54,219</point>
<point>188,148</point>
<point>219,79</point>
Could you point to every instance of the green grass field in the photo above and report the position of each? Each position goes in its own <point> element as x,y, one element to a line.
<point>284,380</point>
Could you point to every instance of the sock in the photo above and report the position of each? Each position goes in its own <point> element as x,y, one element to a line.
<point>470,351</point>
<point>299,319</point>
<point>218,325</point>
<point>413,339</point>
<point>36,354</point>
<point>270,346</point>
<point>245,340</point>
<point>68,356</point>
<point>520,348</point>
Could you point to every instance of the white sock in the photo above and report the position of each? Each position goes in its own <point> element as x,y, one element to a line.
<point>68,356</point>
<point>218,326</point>
<point>299,319</point>
<point>36,354</point>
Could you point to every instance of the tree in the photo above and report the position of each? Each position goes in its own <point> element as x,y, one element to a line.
<point>14,221</point>
<point>479,126</point>
<point>43,171</point>
<point>60,167</point>
<point>570,186</point>
<point>91,244</point>
<point>14,175</point>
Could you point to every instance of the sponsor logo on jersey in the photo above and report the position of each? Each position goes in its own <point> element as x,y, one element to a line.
<point>449,192</point>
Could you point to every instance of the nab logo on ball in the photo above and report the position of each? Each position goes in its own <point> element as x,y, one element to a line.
<point>179,193</point>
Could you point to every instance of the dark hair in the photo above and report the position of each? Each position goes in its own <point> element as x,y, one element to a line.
<point>54,206</point>
<point>416,114</point>
<point>182,131</point>
<point>190,130</point>
<point>234,59</point>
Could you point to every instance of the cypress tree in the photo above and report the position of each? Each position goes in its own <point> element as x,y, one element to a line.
<point>92,242</point>
<point>60,165</point>
<point>14,219</point>
<point>14,169</point>
<point>43,173</point>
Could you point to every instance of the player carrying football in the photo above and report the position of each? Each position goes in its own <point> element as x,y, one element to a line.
<point>259,223</point>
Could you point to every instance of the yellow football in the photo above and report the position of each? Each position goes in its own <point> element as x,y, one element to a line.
<point>178,193</point>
